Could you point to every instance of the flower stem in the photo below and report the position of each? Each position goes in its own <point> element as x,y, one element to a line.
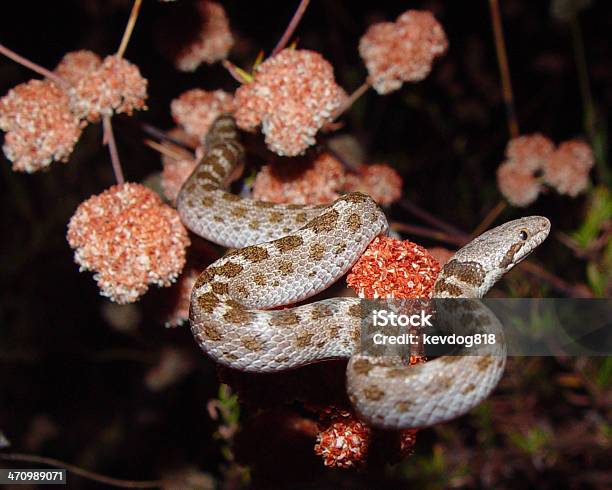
<point>33,66</point>
<point>489,218</point>
<point>90,475</point>
<point>295,20</point>
<point>504,70</point>
<point>129,28</point>
<point>109,140</point>
<point>350,100</point>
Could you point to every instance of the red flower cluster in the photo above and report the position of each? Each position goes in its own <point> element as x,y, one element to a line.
<point>344,443</point>
<point>292,96</point>
<point>402,51</point>
<point>391,268</point>
<point>130,239</point>
<point>212,43</point>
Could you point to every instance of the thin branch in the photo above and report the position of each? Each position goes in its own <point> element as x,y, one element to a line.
<point>167,150</point>
<point>90,475</point>
<point>129,28</point>
<point>109,140</point>
<point>162,135</point>
<point>489,218</point>
<point>428,233</point>
<point>504,70</point>
<point>555,281</point>
<point>432,220</point>
<point>237,73</point>
<point>350,100</point>
<point>33,66</point>
<point>295,20</point>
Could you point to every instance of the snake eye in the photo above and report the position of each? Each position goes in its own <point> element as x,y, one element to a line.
<point>523,235</point>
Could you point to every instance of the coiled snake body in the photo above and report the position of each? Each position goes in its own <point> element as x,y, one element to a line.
<point>287,253</point>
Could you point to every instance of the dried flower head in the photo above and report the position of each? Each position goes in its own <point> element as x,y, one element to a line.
<point>318,182</point>
<point>76,65</point>
<point>116,86</point>
<point>39,124</point>
<point>292,96</point>
<point>344,442</point>
<point>380,181</point>
<point>529,151</point>
<point>391,268</point>
<point>567,168</point>
<point>130,239</point>
<point>195,110</point>
<point>517,184</point>
<point>402,51</point>
<point>213,41</point>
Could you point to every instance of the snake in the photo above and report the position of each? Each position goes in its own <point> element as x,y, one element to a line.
<point>283,254</point>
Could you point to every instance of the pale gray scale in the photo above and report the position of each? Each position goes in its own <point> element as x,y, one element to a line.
<point>234,330</point>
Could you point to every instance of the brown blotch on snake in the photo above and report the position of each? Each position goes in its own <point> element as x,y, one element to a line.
<point>288,243</point>
<point>239,212</point>
<point>324,222</point>
<point>208,301</point>
<point>362,366</point>
<point>284,319</point>
<point>259,279</point>
<point>403,406</point>
<point>285,267</point>
<point>254,253</point>
<point>373,393</point>
<point>229,269</point>
<point>304,339</point>
<point>320,311</point>
<point>509,257</point>
<point>220,287</point>
<point>469,272</point>
<point>210,332</point>
<point>207,201</point>
<point>251,343</point>
<point>238,315</point>
<point>263,204</point>
<point>354,222</point>
<point>317,251</point>
<point>447,287</point>
<point>228,196</point>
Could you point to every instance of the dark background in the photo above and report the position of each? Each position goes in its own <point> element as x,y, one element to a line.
<point>71,384</point>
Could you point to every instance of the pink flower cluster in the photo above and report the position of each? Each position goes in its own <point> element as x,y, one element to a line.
<point>196,109</point>
<point>380,181</point>
<point>325,179</point>
<point>43,120</point>
<point>402,51</point>
<point>292,95</point>
<point>114,87</point>
<point>39,124</point>
<point>321,182</point>
<point>130,239</point>
<point>565,168</point>
<point>213,41</point>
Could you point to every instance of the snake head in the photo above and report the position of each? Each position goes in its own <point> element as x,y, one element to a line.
<point>506,245</point>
